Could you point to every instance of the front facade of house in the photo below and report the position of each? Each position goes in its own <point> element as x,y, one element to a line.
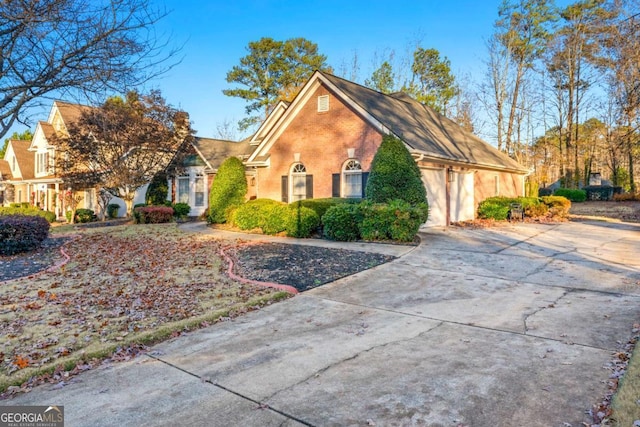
<point>320,145</point>
<point>33,177</point>
<point>323,143</point>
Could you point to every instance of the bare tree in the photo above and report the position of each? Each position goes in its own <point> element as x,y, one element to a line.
<point>57,46</point>
<point>121,145</point>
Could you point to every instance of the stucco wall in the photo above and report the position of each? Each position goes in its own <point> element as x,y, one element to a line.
<point>322,140</point>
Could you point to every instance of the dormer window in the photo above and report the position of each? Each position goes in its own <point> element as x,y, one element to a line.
<point>323,103</point>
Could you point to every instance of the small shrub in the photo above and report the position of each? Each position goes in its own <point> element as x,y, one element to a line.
<point>558,206</point>
<point>301,221</point>
<point>265,214</point>
<point>27,211</point>
<point>153,214</point>
<point>320,206</point>
<point>181,210</point>
<point>341,222</point>
<point>397,220</point>
<point>22,233</point>
<point>85,215</point>
<point>494,208</point>
<point>112,210</point>
<point>571,194</point>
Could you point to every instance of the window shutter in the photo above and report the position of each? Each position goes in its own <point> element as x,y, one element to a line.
<point>365,177</point>
<point>309,186</point>
<point>285,188</point>
<point>335,185</point>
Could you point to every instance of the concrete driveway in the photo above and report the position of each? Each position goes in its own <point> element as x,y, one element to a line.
<point>508,326</point>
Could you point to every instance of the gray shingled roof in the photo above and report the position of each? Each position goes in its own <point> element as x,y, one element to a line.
<point>425,130</point>
<point>216,151</point>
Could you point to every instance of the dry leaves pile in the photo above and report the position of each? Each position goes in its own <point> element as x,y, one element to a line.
<point>122,285</point>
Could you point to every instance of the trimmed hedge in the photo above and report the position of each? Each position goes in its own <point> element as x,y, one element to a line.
<point>301,221</point>
<point>29,210</point>
<point>22,233</point>
<point>266,214</point>
<point>341,222</point>
<point>321,206</point>
<point>497,208</point>
<point>397,220</point>
<point>153,214</point>
<point>571,194</point>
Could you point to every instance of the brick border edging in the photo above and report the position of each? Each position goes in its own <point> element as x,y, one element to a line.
<point>241,279</point>
<point>58,264</point>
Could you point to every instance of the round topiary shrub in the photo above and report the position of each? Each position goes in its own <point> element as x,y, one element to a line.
<point>229,188</point>
<point>158,190</point>
<point>341,222</point>
<point>21,233</point>
<point>301,221</point>
<point>395,175</point>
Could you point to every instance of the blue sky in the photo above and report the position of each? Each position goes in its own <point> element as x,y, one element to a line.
<point>215,35</point>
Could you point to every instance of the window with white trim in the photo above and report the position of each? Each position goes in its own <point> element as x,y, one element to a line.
<point>42,163</point>
<point>323,103</point>
<point>352,179</point>
<point>199,186</point>
<point>298,182</point>
<point>183,189</point>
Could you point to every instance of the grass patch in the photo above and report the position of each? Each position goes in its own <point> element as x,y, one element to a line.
<point>124,286</point>
<point>626,401</point>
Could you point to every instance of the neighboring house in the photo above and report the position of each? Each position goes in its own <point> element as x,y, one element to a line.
<point>33,176</point>
<point>322,145</point>
<point>16,171</point>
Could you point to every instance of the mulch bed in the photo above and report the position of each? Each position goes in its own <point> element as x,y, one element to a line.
<point>30,263</point>
<point>301,266</point>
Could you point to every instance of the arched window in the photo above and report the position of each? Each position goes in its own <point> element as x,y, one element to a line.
<point>298,182</point>
<point>352,179</point>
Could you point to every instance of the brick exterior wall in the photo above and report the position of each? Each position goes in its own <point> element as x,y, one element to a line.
<point>322,140</point>
<point>510,185</point>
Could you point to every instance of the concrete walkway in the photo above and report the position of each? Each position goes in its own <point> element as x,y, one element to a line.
<point>508,326</point>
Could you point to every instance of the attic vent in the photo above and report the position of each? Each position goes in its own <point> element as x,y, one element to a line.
<point>323,103</point>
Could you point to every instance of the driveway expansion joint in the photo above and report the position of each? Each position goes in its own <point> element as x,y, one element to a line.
<point>215,383</point>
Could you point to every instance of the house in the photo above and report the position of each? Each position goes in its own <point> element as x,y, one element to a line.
<point>193,181</point>
<point>29,174</point>
<point>322,144</point>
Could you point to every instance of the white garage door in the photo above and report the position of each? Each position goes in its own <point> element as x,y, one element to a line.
<point>434,181</point>
<point>462,200</point>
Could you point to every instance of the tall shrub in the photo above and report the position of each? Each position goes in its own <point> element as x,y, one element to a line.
<point>158,190</point>
<point>229,188</point>
<point>395,175</point>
